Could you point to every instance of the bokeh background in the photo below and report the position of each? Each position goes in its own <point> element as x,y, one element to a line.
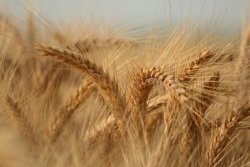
<point>227,15</point>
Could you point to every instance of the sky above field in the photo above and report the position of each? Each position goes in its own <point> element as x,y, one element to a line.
<point>228,13</point>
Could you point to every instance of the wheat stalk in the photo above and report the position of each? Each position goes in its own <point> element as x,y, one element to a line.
<point>243,65</point>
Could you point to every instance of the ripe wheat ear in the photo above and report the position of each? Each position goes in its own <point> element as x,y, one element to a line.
<point>107,87</point>
<point>224,134</point>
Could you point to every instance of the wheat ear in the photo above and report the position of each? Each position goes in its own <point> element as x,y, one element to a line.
<point>144,81</point>
<point>18,115</point>
<point>195,66</point>
<point>224,133</point>
<point>59,121</point>
<point>107,87</point>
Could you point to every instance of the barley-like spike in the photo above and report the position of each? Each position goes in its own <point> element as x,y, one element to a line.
<point>195,66</point>
<point>224,133</point>
<point>107,86</point>
<point>17,113</point>
<point>63,116</point>
<point>144,81</point>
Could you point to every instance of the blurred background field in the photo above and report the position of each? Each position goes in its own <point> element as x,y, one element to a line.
<point>225,16</point>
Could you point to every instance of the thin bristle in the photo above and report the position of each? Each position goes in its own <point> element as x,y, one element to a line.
<point>243,65</point>
<point>87,45</point>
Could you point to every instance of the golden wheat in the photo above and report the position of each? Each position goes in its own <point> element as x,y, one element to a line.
<point>170,103</point>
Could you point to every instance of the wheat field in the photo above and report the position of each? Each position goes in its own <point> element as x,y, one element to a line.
<point>102,98</point>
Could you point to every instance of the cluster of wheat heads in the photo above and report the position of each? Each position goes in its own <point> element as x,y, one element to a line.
<point>98,101</point>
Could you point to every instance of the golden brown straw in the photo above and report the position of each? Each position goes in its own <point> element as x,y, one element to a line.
<point>243,67</point>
